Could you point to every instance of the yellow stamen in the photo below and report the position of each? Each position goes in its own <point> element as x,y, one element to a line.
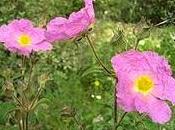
<point>24,40</point>
<point>143,84</point>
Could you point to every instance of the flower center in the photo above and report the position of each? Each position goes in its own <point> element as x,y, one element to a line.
<point>144,84</point>
<point>24,40</point>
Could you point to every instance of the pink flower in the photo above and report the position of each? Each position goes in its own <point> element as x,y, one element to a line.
<point>21,37</point>
<point>78,22</point>
<point>144,84</point>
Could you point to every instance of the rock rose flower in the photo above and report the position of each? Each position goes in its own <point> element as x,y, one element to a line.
<point>21,37</point>
<point>145,83</point>
<point>61,28</point>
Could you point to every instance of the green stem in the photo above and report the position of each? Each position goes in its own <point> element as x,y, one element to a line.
<point>19,102</point>
<point>23,121</point>
<point>115,108</point>
<point>97,58</point>
<point>161,23</point>
<point>23,66</point>
<point>159,127</point>
<point>36,98</point>
<point>121,119</point>
<point>27,120</point>
<point>20,125</point>
<point>25,113</point>
<point>78,123</point>
<point>137,44</point>
<point>30,73</point>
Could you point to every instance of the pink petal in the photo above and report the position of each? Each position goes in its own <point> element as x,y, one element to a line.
<point>90,10</point>
<point>137,61</point>
<point>156,109</point>
<point>159,111</point>
<point>77,23</point>
<point>21,25</point>
<point>37,35</point>
<point>169,84</point>
<point>12,31</point>
<point>44,46</point>
<point>88,2</point>
<point>3,33</point>
<point>164,88</point>
<point>56,29</point>
<point>130,61</point>
<point>142,103</point>
<point>125,96</point>
<point>157,63</point>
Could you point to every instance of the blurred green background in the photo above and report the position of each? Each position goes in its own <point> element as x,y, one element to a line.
<point>78,89</point>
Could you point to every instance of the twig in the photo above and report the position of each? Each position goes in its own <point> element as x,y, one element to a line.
<point>78,123</point>
<point>27,120</point>
<point>30,73</point>
<point>97,58</point>
<point>36,97</point>
<point>136,45</point>
<point>19,102</point>
<point>121,119</point>
<point>115,107</point>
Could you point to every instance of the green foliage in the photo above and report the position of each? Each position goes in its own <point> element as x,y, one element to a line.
<point>36,10</point>
<point>120,10</point>
<point>76,81</point>
<point>134,10</point>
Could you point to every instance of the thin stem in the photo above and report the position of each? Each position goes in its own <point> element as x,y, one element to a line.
<point>19,102</point>
<point>30,73</point>
<point>23,121</point>
<point>25,116</point>
<point>121,119</point>
<point>157,25</point>
<point>136,45</point>
<point>97,58</point>
<point>20,125</point>
<point>26,120</point>
<point>23,70</point>
<point>161,23</point>
<point>78,123</point>
<point>159,127</point>
<point>23,66</point>
<point>36,98</point>
<point>115,108</point>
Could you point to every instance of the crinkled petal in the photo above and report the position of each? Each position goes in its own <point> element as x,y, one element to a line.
<point>44,46</point>
<point>125,96</point>
<point>88,2</point>
<point>90,10</point>
<point>138,61</point>
<point>130,61</point>
<point>157,63</point>
<point>142,103</point>
<point>159,111</point>
<point>21,25</point>
<point>164,88</point>
<point>3,33</point>
<point>37,34</point>
<point>169,91</point>
<point>11,33</point>
<point>56,29</point>
<point>78,22</point>
<point>20,51</point>
<point>155,108</point>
